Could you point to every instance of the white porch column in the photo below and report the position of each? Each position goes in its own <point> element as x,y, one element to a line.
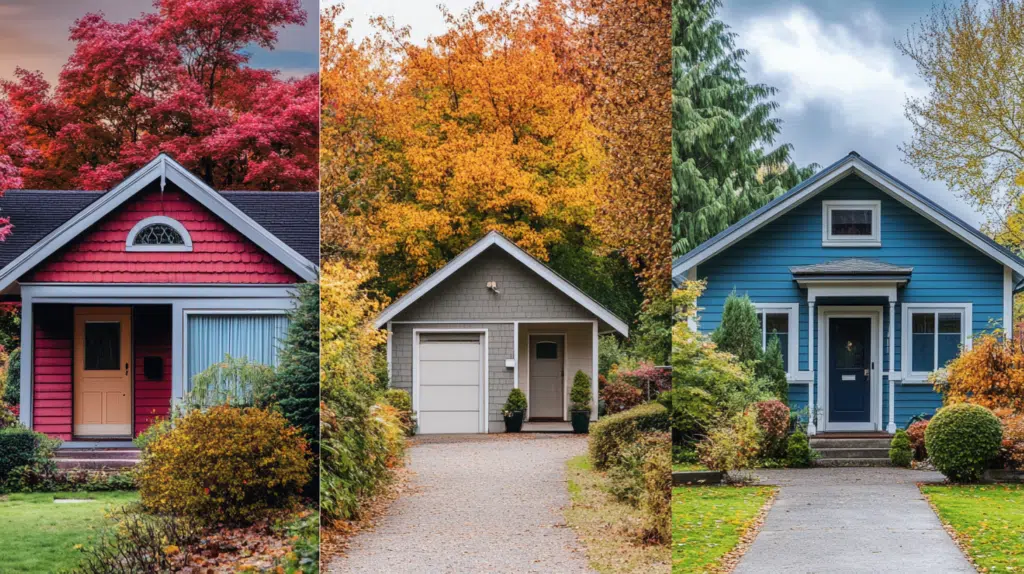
<point>593,378</point>
<point>891,427</point>
<point>177,353</point>
<point>27,358</point>
<point>811,405</point>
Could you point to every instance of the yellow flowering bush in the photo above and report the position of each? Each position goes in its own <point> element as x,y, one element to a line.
<point>226,464</point>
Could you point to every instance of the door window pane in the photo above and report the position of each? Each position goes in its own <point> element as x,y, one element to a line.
<point>853,222</point>
<point>950,335</point>
<point>547,350</point>
<point>102,346</point>
<point>923,342</point>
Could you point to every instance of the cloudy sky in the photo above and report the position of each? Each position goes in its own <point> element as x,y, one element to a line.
<point>34,35</point>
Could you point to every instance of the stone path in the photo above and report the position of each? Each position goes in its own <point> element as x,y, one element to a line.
<point>845,520</point>
<point>478,503</point>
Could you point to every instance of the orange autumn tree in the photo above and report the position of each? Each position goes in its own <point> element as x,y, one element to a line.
<point>990,374</point>
<point>484,127</point>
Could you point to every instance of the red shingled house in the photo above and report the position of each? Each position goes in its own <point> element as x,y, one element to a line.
<point>127,294</point>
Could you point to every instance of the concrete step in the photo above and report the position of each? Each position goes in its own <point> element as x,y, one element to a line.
<point>854,452</point>
<point>852,462</point>
<point>95,463</point>
<point>826,443</point>
<point>82,453</point>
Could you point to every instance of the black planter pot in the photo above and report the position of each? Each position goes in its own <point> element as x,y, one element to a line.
<point>580,422</point>
<point>514,421</point>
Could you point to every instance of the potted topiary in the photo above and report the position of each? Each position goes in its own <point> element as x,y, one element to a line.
<point>515,409</point>
<point>579,399</point>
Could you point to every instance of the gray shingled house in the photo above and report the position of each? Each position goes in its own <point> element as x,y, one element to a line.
<point>492,319</point>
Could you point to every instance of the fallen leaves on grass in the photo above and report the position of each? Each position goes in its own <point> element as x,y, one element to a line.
<point>986,522</point>
<point>254,548</point>
<point>712,526</point>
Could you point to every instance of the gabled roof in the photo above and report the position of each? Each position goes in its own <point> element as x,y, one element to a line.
<point>45,221</point>
<point>495,239</point>
<point>853,163</point>
<point>851,266</point>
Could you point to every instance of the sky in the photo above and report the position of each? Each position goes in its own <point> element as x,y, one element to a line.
<point>34,35</point>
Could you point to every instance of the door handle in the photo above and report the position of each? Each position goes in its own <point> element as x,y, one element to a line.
<point>867,372</point>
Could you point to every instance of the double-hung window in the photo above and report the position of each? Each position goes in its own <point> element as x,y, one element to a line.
<point>780,320</point>
<point>933,336</point>
<point>851,223</point>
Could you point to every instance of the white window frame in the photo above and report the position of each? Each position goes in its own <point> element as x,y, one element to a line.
<point>873,240</point>
<point>906,351</point>
<point>159,220</point>
<point>793,352</point>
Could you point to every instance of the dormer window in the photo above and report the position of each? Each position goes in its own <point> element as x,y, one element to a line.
<point>851,223</point>
<point>158,233</point>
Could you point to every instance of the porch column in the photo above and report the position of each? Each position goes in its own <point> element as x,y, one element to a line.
<point>891,427</point>
<point>811,429</point>
<point>27,358</point>
<point>593,378</point>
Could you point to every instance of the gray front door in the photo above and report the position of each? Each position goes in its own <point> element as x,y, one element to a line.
<point>547,390</point>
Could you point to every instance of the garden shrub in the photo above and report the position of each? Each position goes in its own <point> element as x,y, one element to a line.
<point>304,534</point>
<point>609,353</point>
<point>693,410</point>
<point>962,439</point>
<point>516,402</point>
<point>610,435</point>
<point>739,333</point>
<point>699,364</point>
<point>12,383</point>
<point>579,394</point>
<point>1013,440</point>
<point>915,432</point>
<point>649,379</point>
<point>48,478</point>
<point>236,382</point>
<point>24,448</point>
<point>770,368</point>
<point>626,476</point>
<point>401,400</point>
<point>158,428</point>
<point>900,450</point>
<point>657,500</point>
<point>989,374</point>
<point>773,422</point>
<point>295,389</point>
<point>798,451</point>
<point>225,464</point>
<point>620,396</point>
<point>731,446</point>
<point>8,418</point>
<point>141,542</point>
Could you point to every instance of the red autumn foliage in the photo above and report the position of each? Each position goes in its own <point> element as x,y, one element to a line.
<point>173,81</point>
<point>620,396</point>
<point>648,378</point>
<point>916,433</point>
<point>772,419</point>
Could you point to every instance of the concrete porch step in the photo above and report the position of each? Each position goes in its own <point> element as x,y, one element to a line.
<point>828,443</point>
<point>96,459</point>
<point>132,454</point>
<point>95,463</point>
<point>854,452</point>
<point>852,462</point>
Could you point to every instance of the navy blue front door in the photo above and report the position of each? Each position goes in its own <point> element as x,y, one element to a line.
<point>849,370</point>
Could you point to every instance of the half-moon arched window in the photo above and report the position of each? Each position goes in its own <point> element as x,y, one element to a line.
<point>158,233</point>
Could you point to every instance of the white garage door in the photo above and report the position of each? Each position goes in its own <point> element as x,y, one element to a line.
<point>450,375</point>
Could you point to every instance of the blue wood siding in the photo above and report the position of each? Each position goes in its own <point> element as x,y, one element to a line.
<point>946,270</point>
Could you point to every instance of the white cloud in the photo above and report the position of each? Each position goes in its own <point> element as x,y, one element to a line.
<point>852,67</point>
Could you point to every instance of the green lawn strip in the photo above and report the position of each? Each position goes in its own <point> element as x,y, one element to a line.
<point>709,521</point>
<point>40,535</point>
<point>988,520</point>
<point>607,528</point>
<point>688,467</point>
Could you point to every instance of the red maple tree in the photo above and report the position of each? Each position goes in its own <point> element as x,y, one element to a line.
<point>174,81</point>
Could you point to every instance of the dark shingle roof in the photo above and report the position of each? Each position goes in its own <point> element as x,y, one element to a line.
<point>851,266</point>
<point>292,216</point>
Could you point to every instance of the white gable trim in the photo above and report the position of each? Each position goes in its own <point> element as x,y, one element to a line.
<point>852,164</point>
<point>495,239</point>
<point>162,167</point>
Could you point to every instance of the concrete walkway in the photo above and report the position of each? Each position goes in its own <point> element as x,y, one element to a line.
<point>841,520</point>
<point>477,503</point>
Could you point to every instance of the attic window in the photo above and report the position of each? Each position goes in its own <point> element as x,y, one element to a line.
<point>158,233</point>
<point>851,223</point>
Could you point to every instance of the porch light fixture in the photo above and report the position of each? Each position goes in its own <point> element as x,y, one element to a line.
<point>493,286</point>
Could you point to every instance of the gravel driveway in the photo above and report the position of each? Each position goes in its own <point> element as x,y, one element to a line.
<point>477,503</point>
<point>841,520</point>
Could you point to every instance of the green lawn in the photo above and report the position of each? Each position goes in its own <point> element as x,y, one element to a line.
<point>40,535</point>
<point>708,522</point>
<point>685,466</point>
<point>989,520</point>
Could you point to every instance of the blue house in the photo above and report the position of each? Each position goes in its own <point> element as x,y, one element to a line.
<point>870,286</point>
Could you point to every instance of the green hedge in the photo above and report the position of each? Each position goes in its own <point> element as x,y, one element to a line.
<point>610,435</point>
<point>21,447</point>
<point>962,439</point>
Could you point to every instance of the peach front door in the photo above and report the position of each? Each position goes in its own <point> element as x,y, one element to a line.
<point>103,379</point>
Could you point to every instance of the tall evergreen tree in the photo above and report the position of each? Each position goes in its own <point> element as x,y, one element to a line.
<point>296,389</point>
<point>723,165</point>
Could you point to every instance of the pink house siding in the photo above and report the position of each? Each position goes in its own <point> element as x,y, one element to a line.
<point>152,328</point>
<point>220,253</point>
<point>52,368</point>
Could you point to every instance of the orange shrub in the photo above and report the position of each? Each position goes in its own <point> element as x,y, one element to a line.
<point>990,374</point>
<point>1013,439</point>
<point>916,434</point>
<point>226,464</point>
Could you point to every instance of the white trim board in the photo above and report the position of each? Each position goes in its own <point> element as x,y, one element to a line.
<point>966,311</point>
<point>793,311</point>
<point>852,164</point>
<point>162,168</point>
<point>493,238</point>
<point>873,240</point>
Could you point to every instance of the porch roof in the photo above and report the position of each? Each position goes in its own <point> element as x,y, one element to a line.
<point>852,269</point>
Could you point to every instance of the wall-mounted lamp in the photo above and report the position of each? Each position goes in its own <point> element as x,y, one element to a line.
<point>493,286</point>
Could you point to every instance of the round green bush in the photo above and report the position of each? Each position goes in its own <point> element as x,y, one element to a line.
<point>516,401</point>
<point>900,452</point>
<point>962,439</point>
<point>798,451</point>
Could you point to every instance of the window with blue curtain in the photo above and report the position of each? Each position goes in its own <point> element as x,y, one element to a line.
<point>210,337</point>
